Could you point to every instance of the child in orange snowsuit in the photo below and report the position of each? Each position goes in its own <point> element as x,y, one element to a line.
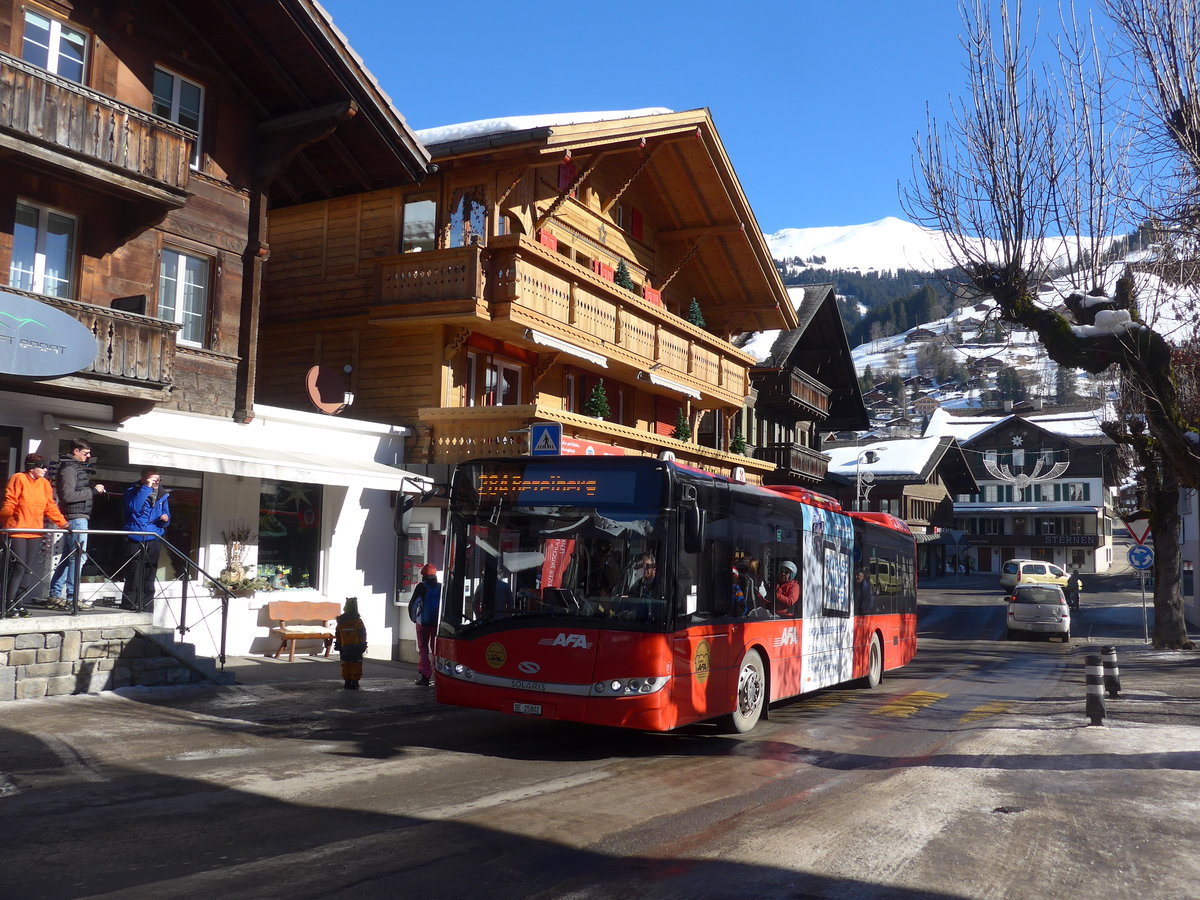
<point>351,642</point>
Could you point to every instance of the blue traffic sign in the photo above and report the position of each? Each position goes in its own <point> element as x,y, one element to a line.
<point>1141,557</point>
<point>545,438</point>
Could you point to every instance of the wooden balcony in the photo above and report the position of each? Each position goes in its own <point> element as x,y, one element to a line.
<point>517,284</point>
<point>792,392</point>
<point>794,462</point>
<point>458,433</point>
<point>135,354</point>
<point>56,123</point>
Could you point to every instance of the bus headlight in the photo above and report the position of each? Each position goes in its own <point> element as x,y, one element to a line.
<point>627,687</point>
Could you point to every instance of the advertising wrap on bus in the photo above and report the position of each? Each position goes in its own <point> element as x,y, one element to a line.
<point>635,592</point>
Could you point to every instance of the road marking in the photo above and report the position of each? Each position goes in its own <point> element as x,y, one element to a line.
<point>910,704</point>
<point>993,708</point>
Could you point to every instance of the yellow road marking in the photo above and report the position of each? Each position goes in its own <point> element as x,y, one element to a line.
<point>909,704</point>
<point>994,708</point>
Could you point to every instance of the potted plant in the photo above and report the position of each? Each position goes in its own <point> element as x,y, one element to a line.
<point>236,577</point>
<point>596,404</point>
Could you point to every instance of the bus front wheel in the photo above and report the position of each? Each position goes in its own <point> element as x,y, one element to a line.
<point>751,694</point>
<point>874,665</point>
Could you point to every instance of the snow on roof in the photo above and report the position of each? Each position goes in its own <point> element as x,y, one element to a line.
<point>901,457</point>
<point>1069,425</point>
<point>443,133</point>
<point>760,343</point>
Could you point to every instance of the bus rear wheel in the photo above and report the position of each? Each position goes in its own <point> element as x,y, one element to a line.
<point>874,665</point>
<point>751,694</point>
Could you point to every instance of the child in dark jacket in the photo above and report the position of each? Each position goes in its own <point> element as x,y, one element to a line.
<point>350,641</point>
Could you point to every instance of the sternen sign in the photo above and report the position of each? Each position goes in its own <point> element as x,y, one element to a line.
<point>39,341</point>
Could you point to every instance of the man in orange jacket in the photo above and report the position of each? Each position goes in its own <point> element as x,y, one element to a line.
<point>28,502</point>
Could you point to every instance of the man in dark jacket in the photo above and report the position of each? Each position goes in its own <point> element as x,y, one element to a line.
<point>72,483</point>
<point>146,516</point>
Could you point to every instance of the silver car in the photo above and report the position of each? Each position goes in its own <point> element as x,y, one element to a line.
<point>1038,609</point>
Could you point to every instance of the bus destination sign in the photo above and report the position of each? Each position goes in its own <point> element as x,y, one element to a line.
<point>561,486</point>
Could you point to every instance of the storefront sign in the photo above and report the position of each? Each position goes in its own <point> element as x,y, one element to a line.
<point>39,341</point>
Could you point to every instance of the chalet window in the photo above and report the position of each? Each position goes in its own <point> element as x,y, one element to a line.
<point>492,382</point>
<point>289,534</point>
<point>183,294</point>
<point>181,101</point>
<point>419,230</point>
<point>1018,458</point>
<point>43,255</point>
<point>54,46</point>
<point>468,217</point>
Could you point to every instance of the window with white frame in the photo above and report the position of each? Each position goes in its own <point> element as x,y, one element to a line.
<point>492,382</point>
<point>43,254</point>
<point>183,294</point>
<point>54,46</point>
<point>182,102</point>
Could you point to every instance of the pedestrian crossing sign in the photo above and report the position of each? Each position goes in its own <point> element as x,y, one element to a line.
<point>545,439</point>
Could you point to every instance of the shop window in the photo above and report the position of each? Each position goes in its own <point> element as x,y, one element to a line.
<point>289,534</point>
<point>419,229</point>
<point>183,294</point>
<point>43,252</point>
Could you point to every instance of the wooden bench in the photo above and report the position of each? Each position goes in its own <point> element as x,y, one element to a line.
<point>312,620</point>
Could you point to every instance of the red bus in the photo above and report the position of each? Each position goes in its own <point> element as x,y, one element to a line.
<point>640,593</point>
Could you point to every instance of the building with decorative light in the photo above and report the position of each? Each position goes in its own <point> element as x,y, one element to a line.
<point>1047,488</point>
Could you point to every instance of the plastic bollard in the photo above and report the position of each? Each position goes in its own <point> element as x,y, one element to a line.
<point>1112,675</point>
<point>1094,667</point>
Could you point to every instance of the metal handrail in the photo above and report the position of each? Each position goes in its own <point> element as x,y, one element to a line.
<point>189,564</point>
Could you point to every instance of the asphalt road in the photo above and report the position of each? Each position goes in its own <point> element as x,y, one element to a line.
<point>970,773</point>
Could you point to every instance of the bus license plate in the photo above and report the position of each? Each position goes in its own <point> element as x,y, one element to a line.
<point>528,709</point>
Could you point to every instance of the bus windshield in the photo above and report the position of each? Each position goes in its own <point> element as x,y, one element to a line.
<point>531,541</point>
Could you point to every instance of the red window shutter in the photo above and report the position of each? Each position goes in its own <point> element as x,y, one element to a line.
<point>652,296</point>
<point>607,272</point>
<point>546,239</point>
<point>635,223</point>
<point>566,174</point>
<point>666,416</point>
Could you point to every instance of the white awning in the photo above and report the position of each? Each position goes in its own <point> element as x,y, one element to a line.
<point>290,463</point>
<point>547,340</point>
<point>672,385</point>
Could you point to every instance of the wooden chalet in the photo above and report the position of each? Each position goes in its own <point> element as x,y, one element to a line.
<point>144,143</point>
<point>488,298</point>
<point>804,381</point>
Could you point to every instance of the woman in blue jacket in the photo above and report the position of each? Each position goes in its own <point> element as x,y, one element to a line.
<point>147,514</point>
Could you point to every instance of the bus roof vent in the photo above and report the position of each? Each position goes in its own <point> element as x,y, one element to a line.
<point>739,474</point>
<point>667,456</point>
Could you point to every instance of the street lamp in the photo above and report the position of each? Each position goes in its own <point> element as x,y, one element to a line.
<point>861,478</point>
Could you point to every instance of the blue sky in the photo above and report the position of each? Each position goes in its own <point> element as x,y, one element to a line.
<point>817,103</point>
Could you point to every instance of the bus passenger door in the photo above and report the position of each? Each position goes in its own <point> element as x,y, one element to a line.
<point>701,660</point>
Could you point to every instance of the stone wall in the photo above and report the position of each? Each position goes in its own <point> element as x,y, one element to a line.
<point>84,660</point>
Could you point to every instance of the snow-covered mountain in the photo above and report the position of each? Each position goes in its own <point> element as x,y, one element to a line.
<point>888,244</point>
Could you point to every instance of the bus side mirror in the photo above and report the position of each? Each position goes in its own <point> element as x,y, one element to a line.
<point>693,529</point>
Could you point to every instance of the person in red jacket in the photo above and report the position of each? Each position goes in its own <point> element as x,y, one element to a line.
<point>787,589</point>
<point>28,502</point>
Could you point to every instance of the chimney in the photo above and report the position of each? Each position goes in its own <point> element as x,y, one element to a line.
<point>1036,402</point>
<point>1006,406</point>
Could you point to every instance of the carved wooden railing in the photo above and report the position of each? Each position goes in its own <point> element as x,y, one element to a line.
<point>795,460</point>
<point>522,281</point>
<point>460,433</point>
<point>130,348</point>
<point>58,113</point>
<point>794,389</point>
